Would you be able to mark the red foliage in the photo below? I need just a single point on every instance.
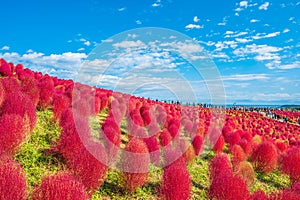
(60, 103)
(46, 86)
(246, 172)
(238, 155)
(219, 146)
(259, 195)
(197, 144)
(70, 141)
(12, 180)
(220, 163)
(111, 137)
(19, 103)
(2, 93)
(10, 84)
(247, 146)
(13, 131)
(135, 162)
(90, 168)
(264, 158)
(30, 87)
(284, 195)
(228, 186)
(176, 183)
(62, 186)
(5, 68)
(290, 164)
(153, 148)
(233, 138)
(165, 137)
(66, 117)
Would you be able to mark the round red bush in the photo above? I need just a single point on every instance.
(19, 103)
(197, 144)
(62, 186)
(12, 180)
(228, 186)
(290, 164)
(220, 163)
(91, 169)
(176, 183)
(135, 162)
(264, 158)
(46, 86)
(13, 131)
(219, 146)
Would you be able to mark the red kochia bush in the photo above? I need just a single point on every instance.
(290, 164)
(264, 158)
(135, 164)
(197, 144)
(165, 137)
(259, 195)
(228, 186)
(13, 131)
(91, 169)
(5, 68)
(70, 141)
(20, 103)
(153, 148)
(60, 103)
(62, 186)
(12, 180)
(29, 87)
(10, 84)
(2, 93)
(176, 183)
(238, 155)
(219, 146)
(220, 163)
(46, 86)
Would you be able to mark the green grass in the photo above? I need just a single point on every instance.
(37, 163)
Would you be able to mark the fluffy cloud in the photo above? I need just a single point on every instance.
(193, 26)
(196, 19)
(264, 6)
(254, 20)
(5, 48)
(264, 35)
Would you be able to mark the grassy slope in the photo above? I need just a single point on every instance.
(32, 156)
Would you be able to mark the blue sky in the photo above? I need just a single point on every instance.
(255, 45)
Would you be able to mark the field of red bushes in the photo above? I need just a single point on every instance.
(135, 135)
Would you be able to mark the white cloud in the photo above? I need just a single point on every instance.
(156, 4)
(264, 35)
(122, 9)
(138, 22)
(129, 44)
(196, 19)
(242, 40)
(254, 20)
(229, 32)
(222, 24)
(244, 4)
(64, 65)
(193, 26)
(81, 49)
(5, 48)
(264, 6)
(295, 65)
(286, 30)
(87, 43)
(245, 77)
